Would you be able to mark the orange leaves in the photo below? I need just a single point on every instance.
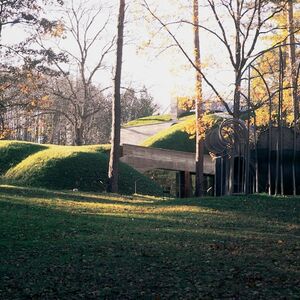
(57, 30)
(36, 102)
(4, 86)
(45, 100)
(206, 122)
(186, 103)
(33, 103)
(262, 116)
(190, 128)
(4, 133)
(24, 88)
(30, 88)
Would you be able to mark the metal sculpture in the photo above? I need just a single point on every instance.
(222, 140)
(229, 145)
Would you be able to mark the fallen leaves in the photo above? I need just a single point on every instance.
(210, 249)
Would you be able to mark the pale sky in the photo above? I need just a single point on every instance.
(168, 74)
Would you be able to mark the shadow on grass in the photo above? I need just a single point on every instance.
(279, 209)
(51, 253)
(283, 209)
(74, 195)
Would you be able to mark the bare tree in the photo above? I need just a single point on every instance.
(89, 37)
(20, 57)
(113, 171)
(136, 104)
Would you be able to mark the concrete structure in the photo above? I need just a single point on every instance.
(145, 158)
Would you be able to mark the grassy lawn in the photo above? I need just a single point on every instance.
(150, 120)
(68, 245)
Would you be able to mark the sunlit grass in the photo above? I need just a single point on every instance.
(150, 120)
(98, 245)
(173, 138)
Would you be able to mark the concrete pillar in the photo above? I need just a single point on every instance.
(187, 184)
(184, 184)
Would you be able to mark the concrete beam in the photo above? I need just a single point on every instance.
(146, 158)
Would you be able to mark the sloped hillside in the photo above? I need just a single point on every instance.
(13, 152)
(67, 167)
(150, 120)
(174, 138)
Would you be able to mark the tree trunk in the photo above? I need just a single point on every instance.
(78, 141)
(293, 82)
(292, 57)
(55, 126)
(247, 151)
(281, 86)
(237, 92)
(270, 147)
(256, 156)
(199, 105)
(37, 129)
(238, 63)
(279, 166)
(113, 170)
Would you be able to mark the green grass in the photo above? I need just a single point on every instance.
(149, 120)
(66, 245)
(176, 137)
(67, 167)
(13, 152)
(173, 138)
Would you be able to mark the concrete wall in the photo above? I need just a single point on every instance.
(144, 159)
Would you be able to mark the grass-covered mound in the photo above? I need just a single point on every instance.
(177, 137)
(150, 120)
(84, 168)
(173, 138)
(13, 152)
